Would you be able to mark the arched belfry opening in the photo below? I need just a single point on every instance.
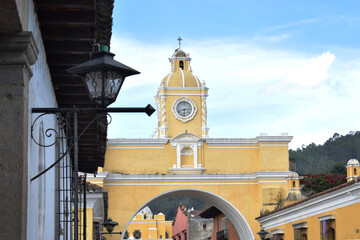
(237, 219)
(181, 65)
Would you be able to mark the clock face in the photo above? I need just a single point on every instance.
(184, 109)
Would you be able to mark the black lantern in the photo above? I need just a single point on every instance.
(103, 76)
(262, 234)
(109, 225)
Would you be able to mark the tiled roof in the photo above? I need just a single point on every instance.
(90, 188)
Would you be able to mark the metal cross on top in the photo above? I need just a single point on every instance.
(179, 39)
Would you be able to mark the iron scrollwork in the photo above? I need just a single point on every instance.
(49, 132)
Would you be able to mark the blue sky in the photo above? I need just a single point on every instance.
(271, 66)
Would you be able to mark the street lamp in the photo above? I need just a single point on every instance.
(103, 77)
(109, 225)
(262, 234)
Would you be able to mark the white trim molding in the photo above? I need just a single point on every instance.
(277, 231)
(300, 225)
(327, 217)
(243, 177)
(251, 141)
(136, 141)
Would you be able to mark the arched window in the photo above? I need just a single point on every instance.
(354, 171)
(187, 157)
(293, 184)
(181, 65)
(304, 236)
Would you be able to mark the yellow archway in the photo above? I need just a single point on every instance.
(241, 225)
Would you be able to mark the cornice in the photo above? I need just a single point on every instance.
(19, 48)
(137, 141)
(196, 177)
(249, 141)
(96, 177)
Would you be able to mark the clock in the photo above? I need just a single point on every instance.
(184, 109)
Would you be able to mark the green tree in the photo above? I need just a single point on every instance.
(338, 168)
(321, 158)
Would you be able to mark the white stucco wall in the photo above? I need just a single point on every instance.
(41, 192)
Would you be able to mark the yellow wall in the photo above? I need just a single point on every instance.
(347, 224)
(89, 223)
(146, 159)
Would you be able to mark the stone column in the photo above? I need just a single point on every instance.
(17, 53)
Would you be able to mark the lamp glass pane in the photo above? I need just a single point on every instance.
(93, 82)
(113, 82)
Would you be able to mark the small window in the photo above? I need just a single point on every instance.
(160, 236)
(327, 227)
(293, 184)
(181, 65)
(137, 234)
(145, 217)
(204, 226)
(166, 235)
(126, 235)
(355, 171)
(300, 231)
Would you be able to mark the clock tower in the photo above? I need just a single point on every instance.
(181, 100)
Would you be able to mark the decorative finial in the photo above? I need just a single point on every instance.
(179, 39)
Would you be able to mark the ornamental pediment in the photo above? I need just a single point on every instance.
(185, 138)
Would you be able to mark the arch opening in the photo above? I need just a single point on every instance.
(237, 219)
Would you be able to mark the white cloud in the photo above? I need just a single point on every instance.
(252, 89)
(312, 72)
(295, 24)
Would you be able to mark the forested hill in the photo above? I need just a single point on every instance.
(321, 158)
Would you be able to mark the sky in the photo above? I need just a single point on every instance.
(271, 66)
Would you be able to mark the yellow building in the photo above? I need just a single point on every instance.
(240, 176)
(332, 214)
(145, 225)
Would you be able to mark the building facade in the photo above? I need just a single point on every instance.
(189, 225)
(240, 176)
(146, 225)
(329, 215)
(223, 229)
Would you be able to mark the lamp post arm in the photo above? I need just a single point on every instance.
(111, 233)
(149, 110)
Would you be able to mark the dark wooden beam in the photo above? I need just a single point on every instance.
(79, 4)
(66, 17)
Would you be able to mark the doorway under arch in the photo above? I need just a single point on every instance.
(237, 219)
